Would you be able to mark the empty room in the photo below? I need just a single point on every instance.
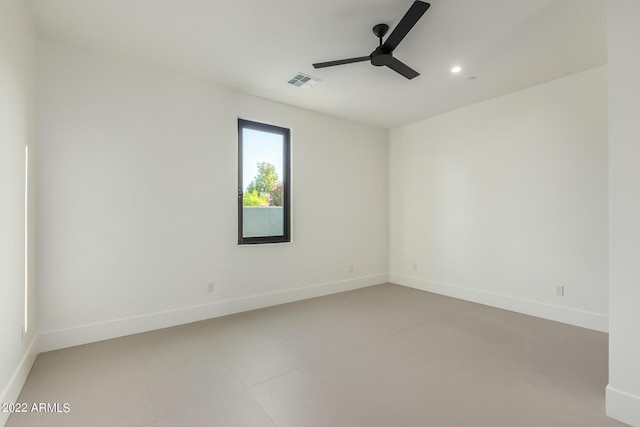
(344, 213)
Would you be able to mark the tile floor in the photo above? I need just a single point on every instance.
(380, 356)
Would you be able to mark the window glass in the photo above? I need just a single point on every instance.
(263, 190)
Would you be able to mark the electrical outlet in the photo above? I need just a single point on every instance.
(560, 291)
(351, 268)
(415, 267)
(211, 287)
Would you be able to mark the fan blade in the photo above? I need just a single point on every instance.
(340, 62)
(401, 68)
(415, 12)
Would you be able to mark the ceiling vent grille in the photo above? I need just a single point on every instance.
(303, 81)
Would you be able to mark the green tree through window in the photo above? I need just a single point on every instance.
(266, 180)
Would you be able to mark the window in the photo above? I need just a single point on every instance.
(264, 202)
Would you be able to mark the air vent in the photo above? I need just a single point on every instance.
(303, 81)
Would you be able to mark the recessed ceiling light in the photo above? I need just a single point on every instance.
(456, 69)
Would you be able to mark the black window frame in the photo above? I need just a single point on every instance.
(286, 182)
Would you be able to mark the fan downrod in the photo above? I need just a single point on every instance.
(380, 57)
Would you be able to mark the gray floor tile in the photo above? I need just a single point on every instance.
(378, 356)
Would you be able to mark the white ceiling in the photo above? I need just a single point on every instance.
(256, 46)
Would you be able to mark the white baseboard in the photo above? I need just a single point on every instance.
(585, 319)
(12, 390)
(623, 406)
(62, 338)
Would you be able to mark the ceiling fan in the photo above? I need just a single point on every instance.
(383, 54)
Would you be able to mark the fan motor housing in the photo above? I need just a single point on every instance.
(380, 58)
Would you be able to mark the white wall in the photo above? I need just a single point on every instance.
(17, 77)
(502, 201)
(137, 201)
(623, 392)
